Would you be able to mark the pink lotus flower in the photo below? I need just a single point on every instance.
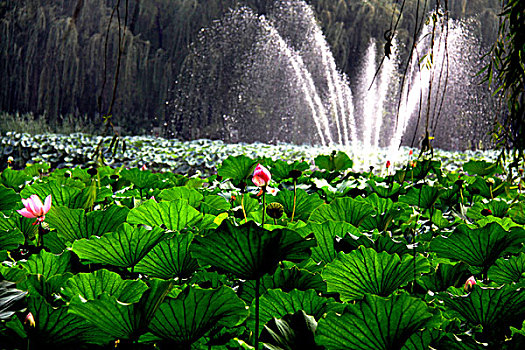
(35, 209)
(261, 176)
(469, 285)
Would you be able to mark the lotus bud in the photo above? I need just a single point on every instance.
(30, 320)
(388, 164)
(275, 210)
(143, 167)
(261, 176)
(469, 285)
(490, 181)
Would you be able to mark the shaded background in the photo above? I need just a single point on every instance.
(55, 60)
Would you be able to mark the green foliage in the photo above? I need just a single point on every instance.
(360, 326)
(354, 269)
(249, 251)
(195, 311)
(367, 272)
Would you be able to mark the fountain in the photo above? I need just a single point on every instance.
(273, 79)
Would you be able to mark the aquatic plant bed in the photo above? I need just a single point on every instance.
(190, 157)
(311, 259)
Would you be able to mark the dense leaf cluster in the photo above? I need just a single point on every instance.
(130, 258)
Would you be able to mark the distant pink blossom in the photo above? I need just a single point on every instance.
(33, 208)
(469, 285)
(261, 176)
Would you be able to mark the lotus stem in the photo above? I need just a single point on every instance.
(264, 205)
(294, 197)
(242, 207)
(257, 295)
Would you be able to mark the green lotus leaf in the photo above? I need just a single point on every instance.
(9, 199)
(45, 287)
(62, 195)
(47, 264)
(383, 190)
(514, 330)
(305, 203)
(214, 205)
(365, 271)
(74, 224)
(481, 186)
(293, 331)
(445, 275)
(386, 212)
(14, 178)
(492, 308)
(276, 303)
(238, 168)
(345, 209)
(482, 168)
(174, 215)
(11, 239)
(56, 326)
(463, 342)
(205, 279)
(478, 247)
(196, 311)
(108, 314)
(53, 243)
(281, 170)
(249, 251)
(424, 197)
(441, 222)
(249, 203)
(14, 228)
(373, 323)
(498, 208)
(139, 178)
(507, 271)
(121, 320)
(335, 162)
(90, 286)
(286, 280)
(517, 213)
(125, 247)
(325, 234)
(192, 196)
(380, 244)
(169, 259)
(421, 340)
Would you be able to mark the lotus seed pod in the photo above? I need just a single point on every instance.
(275, 210)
